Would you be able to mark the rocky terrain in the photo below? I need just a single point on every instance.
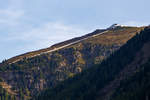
(32, 72)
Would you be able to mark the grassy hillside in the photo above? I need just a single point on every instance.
(123, 34)
(102, 81)
(28, 76)
(34, 53)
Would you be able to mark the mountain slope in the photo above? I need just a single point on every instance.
(136, 87)
(142, 57)
(125, 30)
(4, 94)
(35, 71)
(102, 82)
(53, 47)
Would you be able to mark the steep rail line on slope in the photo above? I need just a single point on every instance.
(55, 49)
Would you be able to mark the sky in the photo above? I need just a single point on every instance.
(27, 25)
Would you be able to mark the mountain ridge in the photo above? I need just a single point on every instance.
(132, 59)
(47, 70)
(54, 47)
(57, 45)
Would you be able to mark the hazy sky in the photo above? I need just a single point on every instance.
(27, 25)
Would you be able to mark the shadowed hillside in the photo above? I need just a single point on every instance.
(122, 76)
(32, 72)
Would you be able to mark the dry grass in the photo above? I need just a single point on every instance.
(118, 36)
(7, 88)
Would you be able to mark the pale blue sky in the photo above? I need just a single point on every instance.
(27, 25)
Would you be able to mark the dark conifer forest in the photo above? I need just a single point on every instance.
(89, 84)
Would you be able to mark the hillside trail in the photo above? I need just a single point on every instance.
(64, 46)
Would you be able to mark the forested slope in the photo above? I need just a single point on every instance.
(136, 87)
(28, 74)
(109, 79)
